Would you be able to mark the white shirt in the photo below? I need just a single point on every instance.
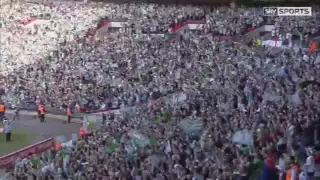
(305, 57)
(310, 164)
(288, 36)
(45, 169)
(294, 174)
(302, 176)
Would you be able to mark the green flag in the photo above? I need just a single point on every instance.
(131, 148)
(163, 117)
(35, 161)
(130, 156)
(156, 121)
(62, 154)
(47, 155)
(166, 116)
(112, 145)
(254, 169)
(153, 140)
(245, 149)
(91, 125)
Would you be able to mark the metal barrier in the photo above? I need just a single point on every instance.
(8, 160)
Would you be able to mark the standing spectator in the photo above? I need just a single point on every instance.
(294, 171)
(7, 129)
(42, 114)
(104, 118)
(310, 165)
(16, 114)
(2, 111)
(69, 114)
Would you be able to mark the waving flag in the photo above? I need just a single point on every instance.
(192, 127)
(112, 146)
(139, 139)
(85, 124)
(153, 140)
(272, 43)
(36, 161)
(131, 150)
(243, 137)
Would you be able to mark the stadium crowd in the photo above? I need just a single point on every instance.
(64, 31)
(214, 109)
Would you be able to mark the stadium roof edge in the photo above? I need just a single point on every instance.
(250, 3)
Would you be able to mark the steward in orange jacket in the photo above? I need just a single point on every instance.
(2, 111)
(69, 114)
(41, 112)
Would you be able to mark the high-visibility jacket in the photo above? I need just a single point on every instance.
(40, 106)
(288, 173)
(78, 108)
(41, 110)
(81, 131)
(69, 113)
(2, 108)
(58, 146)
(312, 46)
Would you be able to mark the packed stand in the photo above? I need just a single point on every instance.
(23, 42)
(64, 31)
(153, 141)
(244, 93)
(294, 30)
(206, 95)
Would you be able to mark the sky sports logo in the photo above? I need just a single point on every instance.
(287, 11)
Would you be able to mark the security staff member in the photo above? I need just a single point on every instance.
(293, 172)
(78, 108)
(7, 130)
(41, 113)
(2, 111)
(82, 132)
(39, 107)
(69, 114)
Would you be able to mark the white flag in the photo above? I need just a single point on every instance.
(85, 123)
